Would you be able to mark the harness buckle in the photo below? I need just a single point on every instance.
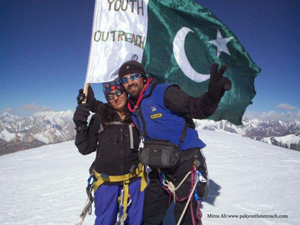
(104, 176)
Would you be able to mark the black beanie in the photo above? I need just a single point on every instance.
(130, 67)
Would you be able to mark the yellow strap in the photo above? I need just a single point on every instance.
(143, 176)
(139, 172)
(97, 184)
(125, 200)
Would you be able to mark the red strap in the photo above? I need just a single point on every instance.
(140, 97)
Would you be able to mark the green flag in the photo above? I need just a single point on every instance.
(184, 40)
(177, 41)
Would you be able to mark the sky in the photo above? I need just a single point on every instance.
(44, 50)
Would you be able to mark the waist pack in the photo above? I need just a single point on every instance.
(159, 154)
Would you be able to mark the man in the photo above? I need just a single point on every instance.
(160, 111)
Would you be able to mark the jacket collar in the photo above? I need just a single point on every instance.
(147, 93)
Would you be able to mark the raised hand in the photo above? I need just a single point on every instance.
(218, 84)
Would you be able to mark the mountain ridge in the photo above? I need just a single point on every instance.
(276, 132)
(19, 133)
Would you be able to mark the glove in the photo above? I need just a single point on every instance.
(90, 98)
(218, 84)
(80, 116)
(81, 97)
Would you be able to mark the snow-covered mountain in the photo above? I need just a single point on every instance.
(250, 182)
(19, 133)
(283, 134)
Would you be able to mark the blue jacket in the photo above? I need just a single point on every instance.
(161, 123)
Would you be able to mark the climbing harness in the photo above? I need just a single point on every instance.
(170, 188)
(97, 179)
(125, 179)
(88, 205)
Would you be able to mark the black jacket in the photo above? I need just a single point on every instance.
(191, 107)
(112, 142)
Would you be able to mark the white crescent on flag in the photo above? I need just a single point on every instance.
(181, 58)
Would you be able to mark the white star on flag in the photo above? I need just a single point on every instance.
(221, 43)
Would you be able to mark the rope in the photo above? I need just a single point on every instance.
(196, 177)
(88, 205)
(85, 210)
(187, 203)
(122, 219)
(171, 188)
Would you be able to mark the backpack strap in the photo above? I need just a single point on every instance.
(183, 133)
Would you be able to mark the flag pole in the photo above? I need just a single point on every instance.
(86, 85)
(85, 91)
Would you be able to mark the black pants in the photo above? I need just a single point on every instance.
(156, 200)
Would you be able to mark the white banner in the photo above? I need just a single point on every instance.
(119, 33)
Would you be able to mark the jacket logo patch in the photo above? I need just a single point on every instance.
(155, 116)
(153, 109)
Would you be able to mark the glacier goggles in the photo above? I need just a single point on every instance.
(110, 95)
(132, 77)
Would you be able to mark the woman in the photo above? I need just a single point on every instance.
(116, 168)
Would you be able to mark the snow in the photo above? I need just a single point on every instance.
(288, 139)
(51, 115)
(41, 138)
(291, 138)
(249, 177)
(7, 136)
(46, 185)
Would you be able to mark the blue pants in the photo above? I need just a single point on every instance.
(107, 206)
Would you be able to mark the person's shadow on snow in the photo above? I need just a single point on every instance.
(213, 192)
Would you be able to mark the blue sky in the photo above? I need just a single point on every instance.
(44, 49)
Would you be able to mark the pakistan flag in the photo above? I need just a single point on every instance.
(177, 41)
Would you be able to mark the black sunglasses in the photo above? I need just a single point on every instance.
(110, 95)
(133, 76)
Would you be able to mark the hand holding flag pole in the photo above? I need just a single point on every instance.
(82, 94)
(86, 95)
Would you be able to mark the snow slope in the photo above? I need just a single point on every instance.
(46, 185)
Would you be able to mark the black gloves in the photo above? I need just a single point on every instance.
(80, 116)
(83, 110)
(218, 84)
(90, 98)
(81, 96)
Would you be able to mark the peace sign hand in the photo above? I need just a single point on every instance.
(218, 84)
